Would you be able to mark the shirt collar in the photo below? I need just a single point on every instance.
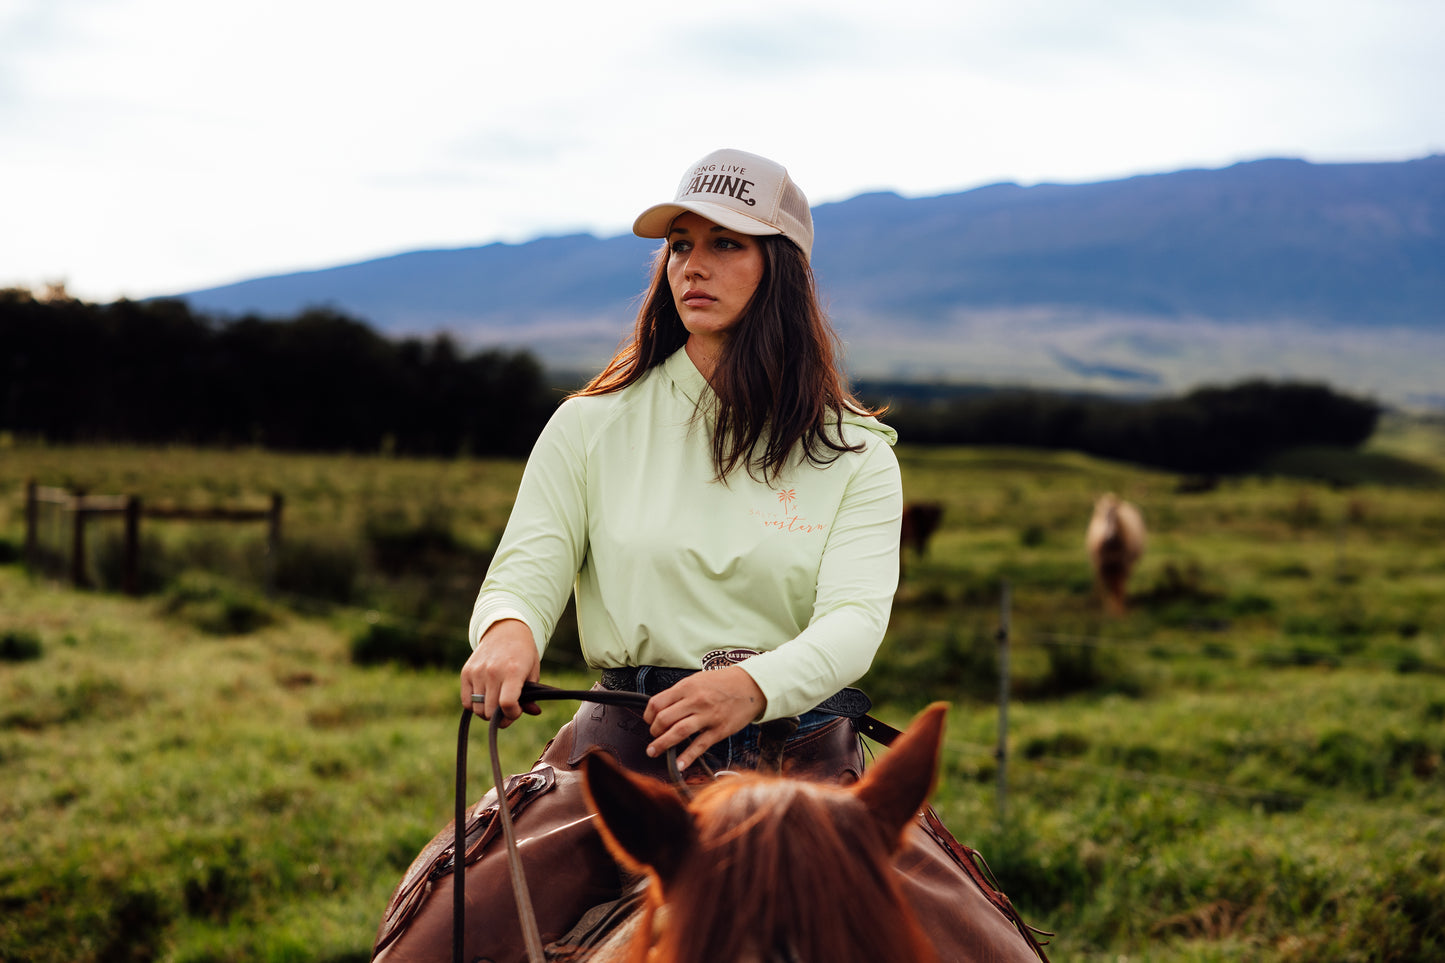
(684, 374)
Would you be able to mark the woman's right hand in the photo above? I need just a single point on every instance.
(505, 658)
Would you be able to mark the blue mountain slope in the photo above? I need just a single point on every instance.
(1336, 245)
(577, 275)
(1354, 245)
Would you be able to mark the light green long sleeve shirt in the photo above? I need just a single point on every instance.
(619, 503)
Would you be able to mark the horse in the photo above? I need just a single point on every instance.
(627, 866)
(764, 868)
(1115, 539)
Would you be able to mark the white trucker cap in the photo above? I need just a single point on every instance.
(743, 192)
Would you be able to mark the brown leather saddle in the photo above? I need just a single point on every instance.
(578, 894)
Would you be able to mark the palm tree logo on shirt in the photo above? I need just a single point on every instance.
(789, 521)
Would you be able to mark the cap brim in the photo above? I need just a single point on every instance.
(656, 220)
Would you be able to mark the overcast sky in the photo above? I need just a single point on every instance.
(157, 146)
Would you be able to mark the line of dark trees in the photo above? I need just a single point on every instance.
(157, 372)
(1214, 430)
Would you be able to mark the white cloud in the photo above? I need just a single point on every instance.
(149, 146)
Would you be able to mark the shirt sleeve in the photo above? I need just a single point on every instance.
(857, 579)
(545, 541)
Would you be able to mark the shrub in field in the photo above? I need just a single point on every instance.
(88, 696)
(1072, 668)
(212, 548)
(1298, 655)
(9, 552)
(223, 888)
(1407, 663)
(1182, 597)
(401, 546)
(325, 569)
(1217, 650)
(1075, 668)
(20, 646)
(1375, 767)
(1304, 512)
(1343, 758)
(410, 645)
(1058, 745)
(216, 607)
(135, 927)
(1346, 624)
(952, 662)
(1178, 583)
(442, 642)
(1249, 603)
(1292, 569)
(1040, 876)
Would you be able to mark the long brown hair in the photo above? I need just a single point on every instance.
(777, 381)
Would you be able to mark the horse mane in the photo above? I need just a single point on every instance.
(790, 870)
(764, 868)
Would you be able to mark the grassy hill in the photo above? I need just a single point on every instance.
(1246, 766)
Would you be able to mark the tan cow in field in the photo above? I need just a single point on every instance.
(1115, 539)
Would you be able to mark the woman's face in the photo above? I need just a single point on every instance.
(713, 273)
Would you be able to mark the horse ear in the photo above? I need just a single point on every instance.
(643, 821)
(896, 788)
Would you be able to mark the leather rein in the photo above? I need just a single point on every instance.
(775, 737)
(531, 692)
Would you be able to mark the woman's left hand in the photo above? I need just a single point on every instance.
(709, 706)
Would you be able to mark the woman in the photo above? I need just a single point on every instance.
(715, 494)
(728, 518)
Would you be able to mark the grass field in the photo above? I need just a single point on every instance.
(1246, 766)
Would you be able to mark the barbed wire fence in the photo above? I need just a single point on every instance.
(1008, 763)
(1264, 799)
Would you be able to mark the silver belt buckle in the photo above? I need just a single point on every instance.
(724, 658)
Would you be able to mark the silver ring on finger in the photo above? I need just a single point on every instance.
(479, 697)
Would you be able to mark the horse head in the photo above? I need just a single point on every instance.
(768, 868)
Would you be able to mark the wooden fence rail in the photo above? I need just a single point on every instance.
(83, 506)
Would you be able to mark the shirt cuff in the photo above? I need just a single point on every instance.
(487, 615)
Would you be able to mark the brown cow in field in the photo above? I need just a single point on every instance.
(920, 521)
(1115, 539)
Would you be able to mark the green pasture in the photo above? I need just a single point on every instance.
(1249, 765)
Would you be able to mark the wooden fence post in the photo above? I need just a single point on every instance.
(273, 541)
(32, 524)
(1001, 753)
(130, 564)
(77, 539)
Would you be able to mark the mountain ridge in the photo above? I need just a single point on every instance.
(1271, 266)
